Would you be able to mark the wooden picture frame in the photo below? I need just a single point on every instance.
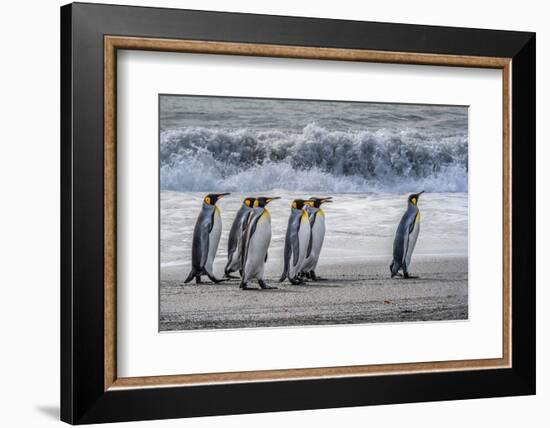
(91, 390)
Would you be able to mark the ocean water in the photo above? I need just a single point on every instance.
(255, 145)
(368, 157)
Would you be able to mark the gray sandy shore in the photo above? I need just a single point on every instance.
(352, 293)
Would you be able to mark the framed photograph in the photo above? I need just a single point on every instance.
(266, 213)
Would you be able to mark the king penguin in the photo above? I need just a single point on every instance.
(405, 237)
(206, 237)
(317, 236)
(296, 241)
(256, 242)
(235, 236)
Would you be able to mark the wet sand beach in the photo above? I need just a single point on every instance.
(353, 292)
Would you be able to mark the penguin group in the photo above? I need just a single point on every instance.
(250, 237)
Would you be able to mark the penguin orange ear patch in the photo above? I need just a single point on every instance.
(207, 200)
(294, 204)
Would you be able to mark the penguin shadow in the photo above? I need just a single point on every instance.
(415, 279)
(222, 283)
(252, 286)
(324, 283)
(278, 289)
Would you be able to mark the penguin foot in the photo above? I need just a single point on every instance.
(314, 277)
(244, 286)
(215, 280)
(228, 276)
(264, 286)
(295, 281)
(407, 276)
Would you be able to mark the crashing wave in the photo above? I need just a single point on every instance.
(203, 159)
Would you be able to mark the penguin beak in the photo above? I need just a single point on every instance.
(326, 200)
(418, 194)
(221, 195)
(268, 200)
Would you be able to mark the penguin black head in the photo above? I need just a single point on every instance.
(262, 201)
(413, 199)
(249, 202)
(212, 198)
(298, 204)
(315, 202)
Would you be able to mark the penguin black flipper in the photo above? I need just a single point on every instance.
(288, 252)
(244, 244)
(244, 236)
(231, 247)
(249, 226)
(211, 223)
(250, 232)
(238, 229)
(399, 245)
(266, 253)
(199, 249)
(312, 219)
(295, 241)
(310, 245)
(204, 245)
(406, 240)
(410, 229)
(414, 229)
(411, 226)
(253, 225)
(246, 219)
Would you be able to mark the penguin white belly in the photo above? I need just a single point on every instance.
(413, 236)
(303, 238)
(257, 248)
(317, 238)
(214, 240)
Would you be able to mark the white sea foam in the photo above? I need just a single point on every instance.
(359, 226)
(315, 159)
